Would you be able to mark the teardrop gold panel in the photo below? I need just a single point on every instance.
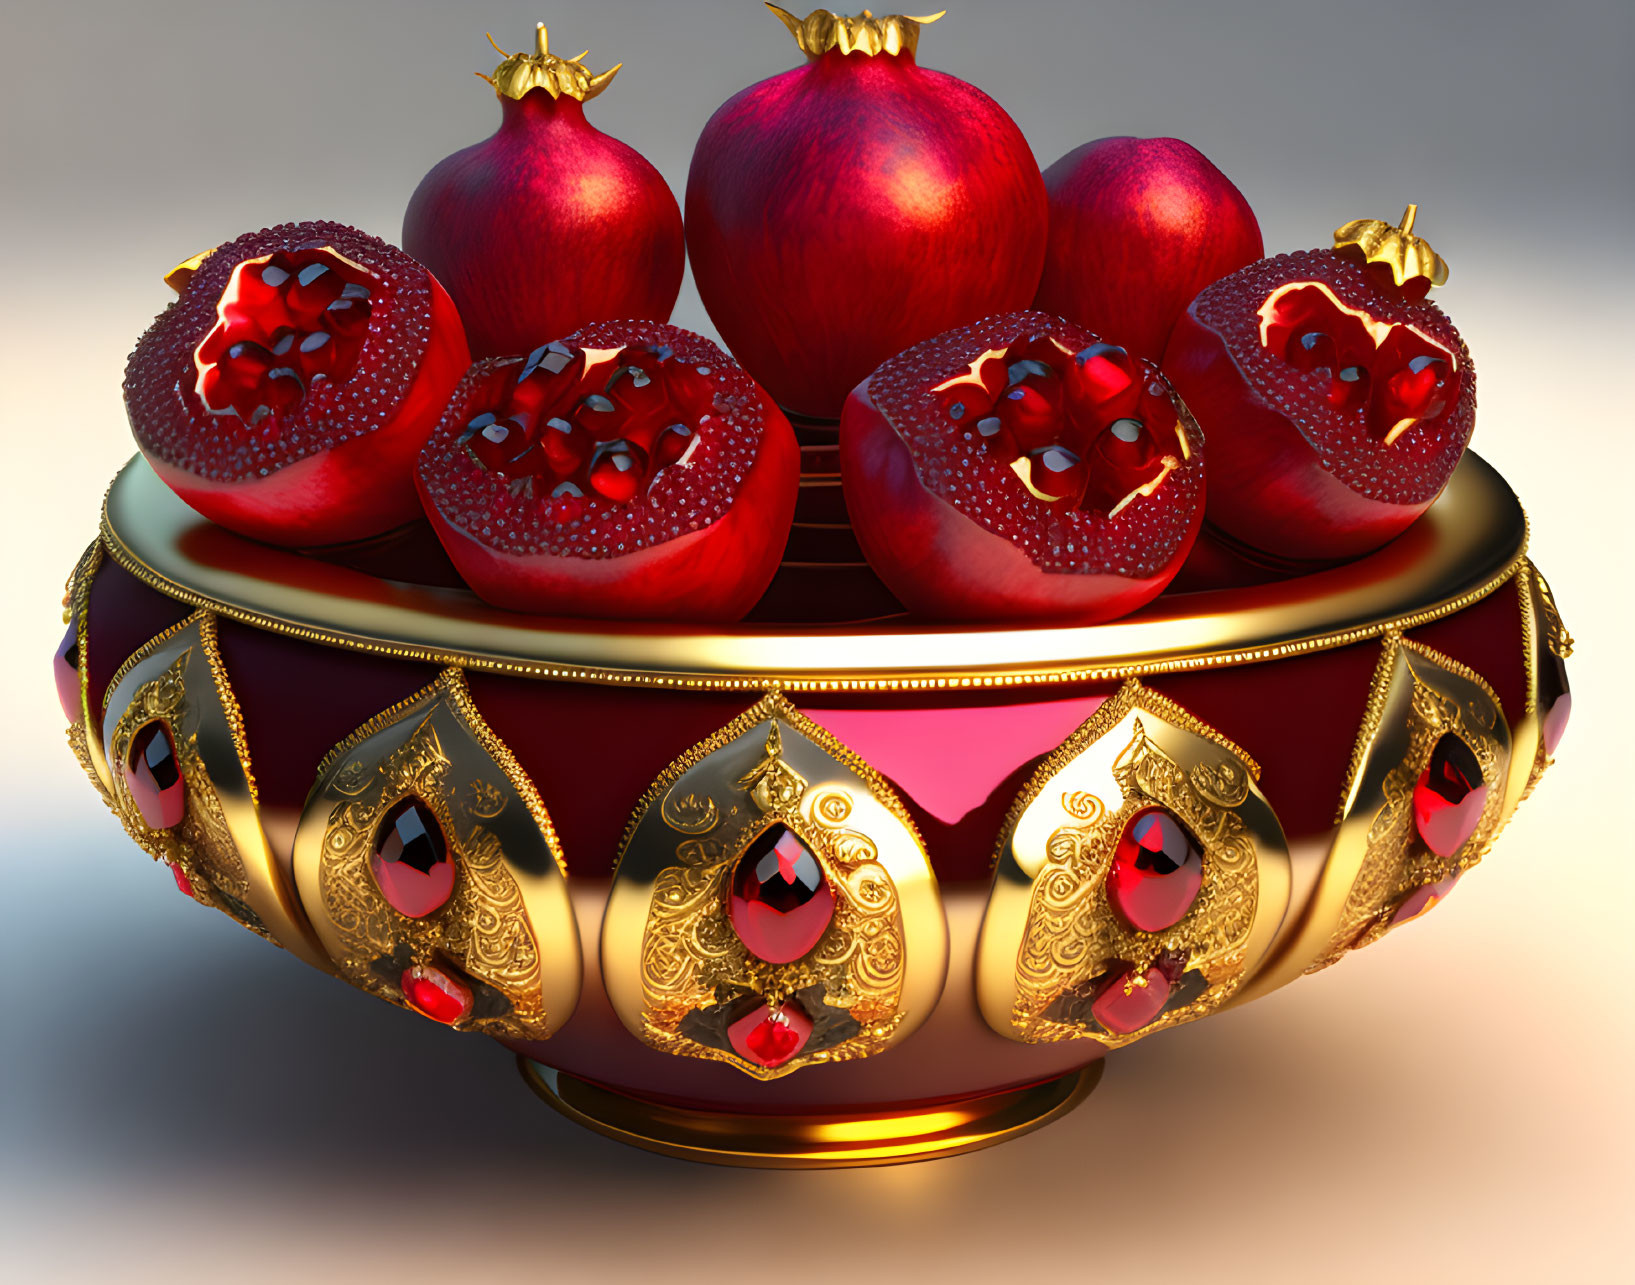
(677, 973)
(178, 679)
(1378, 860)
(1546, 645)
(506, 931)
(88, 750)
(1053, 948)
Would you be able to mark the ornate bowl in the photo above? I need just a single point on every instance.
(807, 895)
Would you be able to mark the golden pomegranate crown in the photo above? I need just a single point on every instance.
(542, 69)
(820, 31)
(1408, 256)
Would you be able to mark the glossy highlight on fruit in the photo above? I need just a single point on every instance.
(1337, 405)
(631, 470)
(847, 209)
(287, 391)
(1023, 469)
(549, 224)
(1137, 227)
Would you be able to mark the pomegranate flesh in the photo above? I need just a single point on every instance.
(1021, 468)
(1137, 227)
(549, 224)
(632, 469)
(287, 391)
(1337, 404)
(842, 211)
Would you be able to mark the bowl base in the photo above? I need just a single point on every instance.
(827, 1140)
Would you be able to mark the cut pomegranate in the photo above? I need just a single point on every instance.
(1137, 227)
(1337, 403)
(843, 210)
(632, 469)
(1022, 468)
(287, 391)
(549, 224)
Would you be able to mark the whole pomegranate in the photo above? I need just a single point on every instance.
(632, 469)
(1137, 227)
(549, 224)
(287, 391)
(845, 210)
(1337, 399)
(1022, 469)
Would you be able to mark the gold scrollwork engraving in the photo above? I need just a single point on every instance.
(86, 747)
(1051, 938)
(1419, 696)
(507, 927)
(865, 983)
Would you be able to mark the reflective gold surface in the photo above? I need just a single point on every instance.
(542, 69)
(1394, 245)
(829, 1140)
(1467, 544)
(668, 949)
(1049, 929)
(820, 31)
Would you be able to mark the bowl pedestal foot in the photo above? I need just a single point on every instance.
(826, 1140)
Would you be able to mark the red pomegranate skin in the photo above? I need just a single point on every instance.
(716, 573)
(942, 563)
(546, 226)
(844, 210)
(1137, 227)
(360, 487)
(1285, 479)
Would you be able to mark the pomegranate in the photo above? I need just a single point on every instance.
(632, 469)
(1021, 468)
(1137, 227)
(1337, 400)
(288, 389)
(841, 211)
(549, 224)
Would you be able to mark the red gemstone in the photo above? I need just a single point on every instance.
(1450, 797)
(781, 903)
(1158, 868)
(411, 861)
(184, 885)
(435, 993)
(1127, 1003)
(1421, 899)
(769, 1038)
(66, 670)
(155, 777)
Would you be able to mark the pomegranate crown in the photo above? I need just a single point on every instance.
(542, 69)
(1410, 258)
(820, 31)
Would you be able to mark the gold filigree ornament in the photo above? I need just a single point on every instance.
(1052, 943)
(178, 680)
(1546, 644)
(677, 973)
(87, 749)
(1410, 259)
(1379, 871)
(502, 936)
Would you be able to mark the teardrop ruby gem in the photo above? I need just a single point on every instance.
(66, 670)
(769, 1038)
(781, 902)
(1421, 899)
(411, 862)
(1450, 796)
(1558, 710)
(1157, 870)
(1127, 1002)
(155, 777)
(436, 994)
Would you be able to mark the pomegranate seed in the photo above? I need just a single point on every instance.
(1032, 417)
(616, 470)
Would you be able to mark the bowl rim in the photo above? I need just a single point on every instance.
(1466, 545)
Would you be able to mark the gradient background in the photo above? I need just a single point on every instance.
(180, 1102)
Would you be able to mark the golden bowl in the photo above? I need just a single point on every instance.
(1030, 845)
